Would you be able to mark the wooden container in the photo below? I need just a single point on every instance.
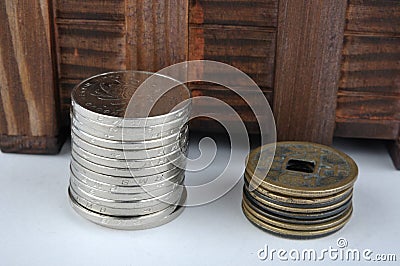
(328, 68)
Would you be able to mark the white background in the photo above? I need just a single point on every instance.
(38, 227)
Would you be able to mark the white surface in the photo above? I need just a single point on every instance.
(38, 227)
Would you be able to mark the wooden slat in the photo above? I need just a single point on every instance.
(156, 33)
(29, 122)
(377, 16)
(90, 47)
(394, 150)
(251, 50)
(91, 9)
(366, 128)
(66, 86)
(230, 98)
(310, 38)
(366, 106)
(371, 64)
(261, 13)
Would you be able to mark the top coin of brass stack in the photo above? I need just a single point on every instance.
(307, 192)
(128, 154)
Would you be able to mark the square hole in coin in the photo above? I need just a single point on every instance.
(300, 166)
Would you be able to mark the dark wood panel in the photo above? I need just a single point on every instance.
(66, 86)
(251, 50)
(27, 77)
(31, 144)
(378, 16)
(366, 128)
(157, 33)
(310, 38)
(230, 98)
(91, 9)
(366, 106)
(371, 64)
(394, 150)
(234, 12)
(89, 47)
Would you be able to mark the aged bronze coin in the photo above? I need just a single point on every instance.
(299, 209)
(287, 219)
(292, 201)
(299, 215)
(300, 227)
(302, 169)
(304, 190)
(292, 233)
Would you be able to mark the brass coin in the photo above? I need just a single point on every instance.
(289, 220)
(296, 201)
(289, 232)
(299, 227)
(301, 209)
(300, 216)
(302, 169)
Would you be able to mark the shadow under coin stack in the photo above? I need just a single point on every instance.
(307, 192)
(127, 167)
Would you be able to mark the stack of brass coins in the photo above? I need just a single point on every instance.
(307, 192)
(127, 166)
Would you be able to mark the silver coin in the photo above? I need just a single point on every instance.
(128, 189)
(116, 211)
(126, 132)
(132, 122)
(120, 145)
(128, 154)
(108, 95)
(131, 223)
(138, 135)
(132, 163)
(142, 195)
(126, 172)
(129, 182)
(163, 126)
(169, 198)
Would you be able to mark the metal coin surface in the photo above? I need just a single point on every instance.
(295, 215)
(129, 181)
(129, 154)
(108, 95)
(142, 195)
(116, 211)
(299, 209)
(138, 145)
(129, 189)
(126, 172)
(300, 227)
(287, 200)
(114, 133)
(284, 219)
(128, 163)
(289, 232)
(163, 126)
(134, 222)
(169, 198)
(302, 169)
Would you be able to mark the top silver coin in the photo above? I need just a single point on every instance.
(140, 98)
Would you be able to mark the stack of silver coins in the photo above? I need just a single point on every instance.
(129, 150)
